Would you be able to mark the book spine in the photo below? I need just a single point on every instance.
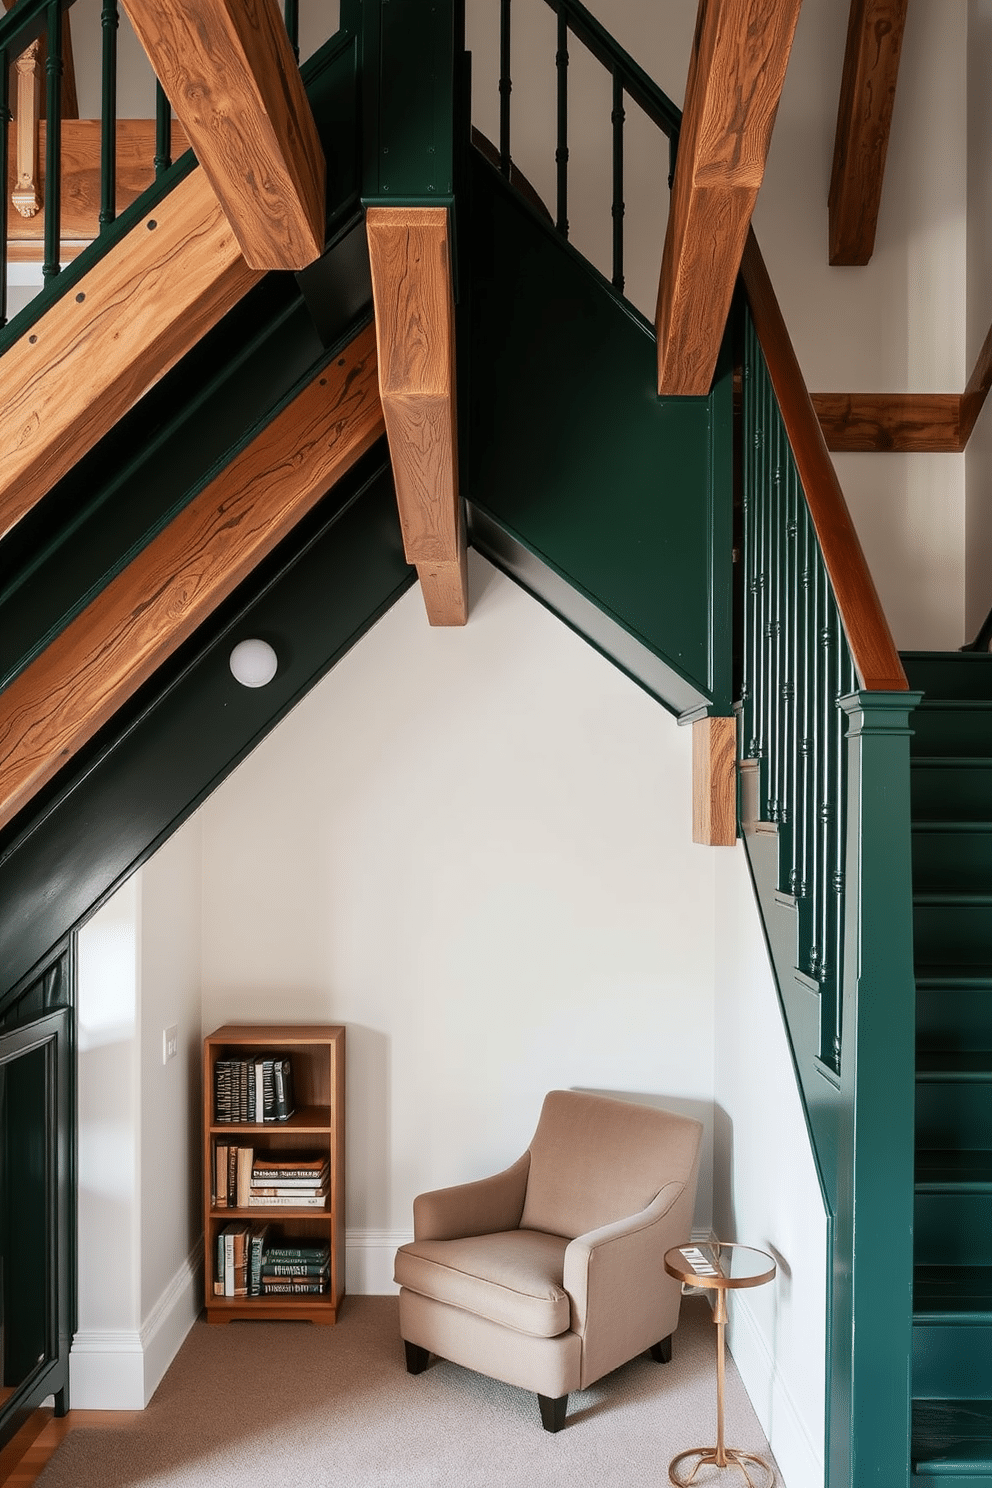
(298, 1285)
(276, 1253)
(295, 1268)
(228, 1265)
(301, 1201)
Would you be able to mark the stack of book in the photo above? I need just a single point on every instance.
(282, 1181)
(259, 1089)
(245, 1179)
(294, 1268)
(251, 1264)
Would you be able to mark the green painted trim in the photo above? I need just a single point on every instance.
(408, 69)
(873, 1257)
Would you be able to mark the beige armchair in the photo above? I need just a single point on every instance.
(551, 1274)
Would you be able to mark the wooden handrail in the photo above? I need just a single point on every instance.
(873, 650)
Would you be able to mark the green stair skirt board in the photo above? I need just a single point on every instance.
(579, 477)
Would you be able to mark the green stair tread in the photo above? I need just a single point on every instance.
(952, 1294)
(954, 1064)
(951, 825)
(933, 977)
(965, 897)
(952, 1436)
(945, 1170)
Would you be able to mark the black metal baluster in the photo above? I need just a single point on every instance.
(5, 117)
(109, 20)
(53, 144)
(292, 14)
(505, 88)
(617, 118)
(561, 153)
(163, 131)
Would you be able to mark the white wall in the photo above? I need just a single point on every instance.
(471, 847)
(766, 1190)
(140, 1227)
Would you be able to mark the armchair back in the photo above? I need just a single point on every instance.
(594, 1160)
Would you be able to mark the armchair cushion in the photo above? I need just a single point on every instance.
(513, 1278)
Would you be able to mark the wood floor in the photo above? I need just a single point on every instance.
(27, 1453)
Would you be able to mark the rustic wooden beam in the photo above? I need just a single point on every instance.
(873, 651)
(864, 115)
(410, 254)
(90, 357)
(736, 72)
(229, 72)
(80, 179)
(714, 781)
(103, 656)
(922, 423)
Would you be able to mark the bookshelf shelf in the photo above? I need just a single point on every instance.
(312, 1136)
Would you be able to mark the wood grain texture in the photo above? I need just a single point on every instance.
(714, 781)
(103, 656)
(864, 115)
(410, 255)
(927, 423)
(736, 72)
(92, 355)
(80, 183)
(229, 72)
(873, 650)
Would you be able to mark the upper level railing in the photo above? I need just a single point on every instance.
(37, 43)
(629, 82)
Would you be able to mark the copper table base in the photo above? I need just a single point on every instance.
(732, 1457)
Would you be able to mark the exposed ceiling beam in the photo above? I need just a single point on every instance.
(230, 74)
(91, 356)
(410, 254)
(736, 72)
(920, 423)
(864, 115)
(103, 656)
(930, 423)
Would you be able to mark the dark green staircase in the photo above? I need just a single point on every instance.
(951, 777)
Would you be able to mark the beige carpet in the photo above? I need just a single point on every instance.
(289, 1405)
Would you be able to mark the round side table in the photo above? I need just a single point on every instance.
(720, 1267)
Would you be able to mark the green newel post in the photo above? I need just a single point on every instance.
(872, 1284)
(411, 53)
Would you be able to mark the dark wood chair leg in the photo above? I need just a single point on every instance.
(553, 1411)
(417, 1358)
(661, 1352)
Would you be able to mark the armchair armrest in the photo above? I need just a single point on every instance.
(622, 1299)
(480, 1208)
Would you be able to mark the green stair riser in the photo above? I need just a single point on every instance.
(953, 1018)
(949, 674)
(947, 728)
(953, 857)
(951, 790)
(952, 1362)
(952, 1443)
(953, 1115)
(952, 1229)
(951, 933)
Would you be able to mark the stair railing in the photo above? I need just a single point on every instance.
(814, 631)
(628, 81)
(39, 28)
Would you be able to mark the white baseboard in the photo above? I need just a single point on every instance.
(369, 1256)
(121, 1369)
(799, 1457)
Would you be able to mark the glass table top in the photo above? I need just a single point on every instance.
(720, 1264)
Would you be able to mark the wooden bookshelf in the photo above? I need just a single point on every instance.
(316, 1053)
